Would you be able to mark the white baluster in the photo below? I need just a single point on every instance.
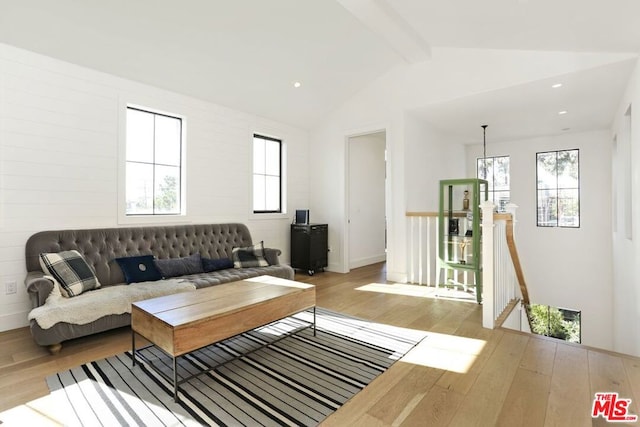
(487, 264)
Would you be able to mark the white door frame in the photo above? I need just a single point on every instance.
(347, 229)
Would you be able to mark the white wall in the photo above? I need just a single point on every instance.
(449, 74)
(432, 156)
(626, 252)
(565, 267)
(59, 139)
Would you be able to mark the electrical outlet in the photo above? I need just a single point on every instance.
(11, 287)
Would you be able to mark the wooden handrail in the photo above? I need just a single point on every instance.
(435, 214)
(429, 214)
(513, 251)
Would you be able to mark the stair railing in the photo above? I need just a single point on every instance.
(504, 284)
(502, 274)
(423, 247)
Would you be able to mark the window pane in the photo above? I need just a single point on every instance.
(167, 191)
(482, 170)
(558, 189)
(501, 173)
(568, 208)
(489, 172)
(546, 170)
(568, 169)
(267, 171)
(139, 136)
(258, 155)
(259, 193)
(167, 140)
(272, 193)
(547, 208)
(139, 189)
(272, 154)
(501, 200)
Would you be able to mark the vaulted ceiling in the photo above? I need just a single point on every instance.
(247, 54)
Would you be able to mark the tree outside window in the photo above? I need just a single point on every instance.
(558, 189)
(153, 163)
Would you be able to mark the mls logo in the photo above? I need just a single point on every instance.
(612, 408)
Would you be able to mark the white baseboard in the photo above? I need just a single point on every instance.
(336, 268)
(13, 321)
(397, 276)
(367, 261)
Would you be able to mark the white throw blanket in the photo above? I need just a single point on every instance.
(92, 305)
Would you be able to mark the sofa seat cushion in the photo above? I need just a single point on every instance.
(108, 300)
(209, 265)
(232, 274)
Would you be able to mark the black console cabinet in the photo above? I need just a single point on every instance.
(309, 247)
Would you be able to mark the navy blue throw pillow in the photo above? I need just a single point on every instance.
(210, 265)
(139, 268)
(174, 267)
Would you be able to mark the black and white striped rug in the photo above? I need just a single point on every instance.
(299, 380)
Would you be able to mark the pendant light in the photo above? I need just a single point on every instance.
(484, 145)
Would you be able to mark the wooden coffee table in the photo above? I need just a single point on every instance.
(181, 323)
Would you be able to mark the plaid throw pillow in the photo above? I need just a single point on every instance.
(71, 271)
(250, 256)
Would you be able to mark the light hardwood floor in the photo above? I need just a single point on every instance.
(460, 375)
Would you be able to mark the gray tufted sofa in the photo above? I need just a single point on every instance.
(100, 247)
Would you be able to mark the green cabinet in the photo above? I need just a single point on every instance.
(459, 232)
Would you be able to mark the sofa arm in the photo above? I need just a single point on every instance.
(271, 255)
(38, 287)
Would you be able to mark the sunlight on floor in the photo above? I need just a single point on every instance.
(51, 410)
(421, 291)
(446, 352)
(39, 412)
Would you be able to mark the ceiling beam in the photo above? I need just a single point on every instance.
(383, 20)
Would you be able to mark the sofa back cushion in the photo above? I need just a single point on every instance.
(100, 247)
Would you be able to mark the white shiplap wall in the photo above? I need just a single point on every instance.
(60, 134)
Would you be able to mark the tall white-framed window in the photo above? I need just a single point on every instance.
(558, 188)
(495, 170)
(267, 175)
(153, 163)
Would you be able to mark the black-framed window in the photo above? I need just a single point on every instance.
(495, 170)
(558, 188)
(556, 322)
(267, 174)
(153, 163)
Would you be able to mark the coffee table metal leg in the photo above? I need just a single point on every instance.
(314, 320)
(133, 347)
(175, 380)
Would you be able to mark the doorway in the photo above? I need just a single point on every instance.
(367, 199)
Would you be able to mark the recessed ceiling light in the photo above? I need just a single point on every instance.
(297, 84)
(557, 85)
(560, 113)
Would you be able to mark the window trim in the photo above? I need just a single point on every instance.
(557, 188)
(281, 175)
(134, 219)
